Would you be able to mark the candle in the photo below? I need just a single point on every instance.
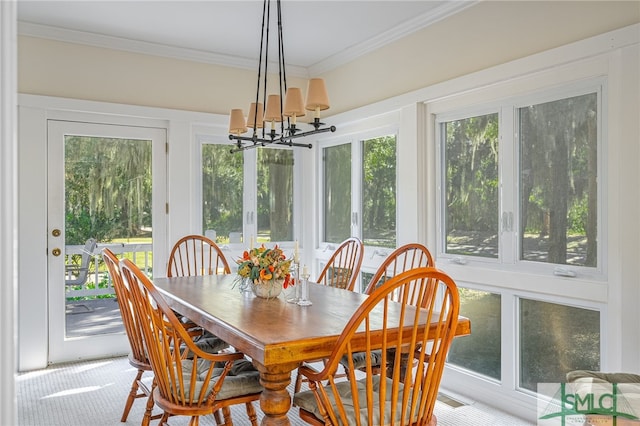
(305, 271)
(296, 253)
(251, 246)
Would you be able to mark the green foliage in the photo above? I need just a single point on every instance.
(337, 192)
(557, 165)
(107, 188)
(98, 226)
(379, 191)
(275, 193)
(472, 174)
(578, 216)
(222, 189)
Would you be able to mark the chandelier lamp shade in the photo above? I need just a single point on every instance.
(277, 124)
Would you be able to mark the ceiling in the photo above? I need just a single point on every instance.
(318, 35)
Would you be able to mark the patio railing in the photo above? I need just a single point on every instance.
(98, 280)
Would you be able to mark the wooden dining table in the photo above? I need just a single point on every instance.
(276, 335)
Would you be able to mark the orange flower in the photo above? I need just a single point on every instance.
(288, 281)
(264, 275)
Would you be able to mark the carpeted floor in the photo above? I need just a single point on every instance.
(92, 393)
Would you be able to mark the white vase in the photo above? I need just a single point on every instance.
(268, 289)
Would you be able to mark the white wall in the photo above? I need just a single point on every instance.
(484, 35)
(8, 214)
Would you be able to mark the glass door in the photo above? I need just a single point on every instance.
(104, 190)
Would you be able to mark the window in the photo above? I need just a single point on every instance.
(379, 191)
(247, 195)
(337, 192)
(275, 195)
(374, 182)
(573, 344)
(558, 181)
(481, 350)
(222, 183)
(555, 147)
(519, 194)
(471, 181)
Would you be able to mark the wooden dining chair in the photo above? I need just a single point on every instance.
(195, 255)
(341, 271)
(402, 259)
(401, 393)
(137, 356)
(343, 266)
(189, 381)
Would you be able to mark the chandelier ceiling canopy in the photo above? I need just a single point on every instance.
(284, 107)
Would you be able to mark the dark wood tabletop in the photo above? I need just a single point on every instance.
(277, 336)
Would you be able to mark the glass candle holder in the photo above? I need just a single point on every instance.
(294, 295)
(304, 296)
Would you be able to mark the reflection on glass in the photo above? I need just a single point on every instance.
(275, 195)
(107, 189)
(480, 351)
(337, 193)
(558, 181)
(222, 183)
(379, 191)
(556, 339)
(472, 204)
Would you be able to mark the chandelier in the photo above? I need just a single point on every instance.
(276, 112)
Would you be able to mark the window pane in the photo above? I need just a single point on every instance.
(471, 166)
(107, 189)
(365, 279)
(558, 180)
(556, 339)
(337, 193)
(275, 195)
(222, 180)
(379, 191)
(108, 197)
(480, 351)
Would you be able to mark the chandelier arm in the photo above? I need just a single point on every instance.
(312, 132)
(264, 144)
(284, 140)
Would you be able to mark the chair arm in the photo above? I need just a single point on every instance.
(312, 374)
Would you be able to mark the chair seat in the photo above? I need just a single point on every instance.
(360, 359)
(306, 400)
(210, 343)
(242, 379)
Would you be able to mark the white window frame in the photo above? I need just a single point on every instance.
(232, 251)
(508, 171)
(373, 255)
(507, 276)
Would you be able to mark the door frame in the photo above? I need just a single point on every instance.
(33, 113)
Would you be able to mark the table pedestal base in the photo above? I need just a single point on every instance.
(275, 400)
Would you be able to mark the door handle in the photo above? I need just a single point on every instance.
(56, 252)
(56, 232)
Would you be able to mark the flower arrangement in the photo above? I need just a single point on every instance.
(264, 264)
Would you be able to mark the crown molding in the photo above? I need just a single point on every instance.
(411, 26)
(136, 46)
(142, 47)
